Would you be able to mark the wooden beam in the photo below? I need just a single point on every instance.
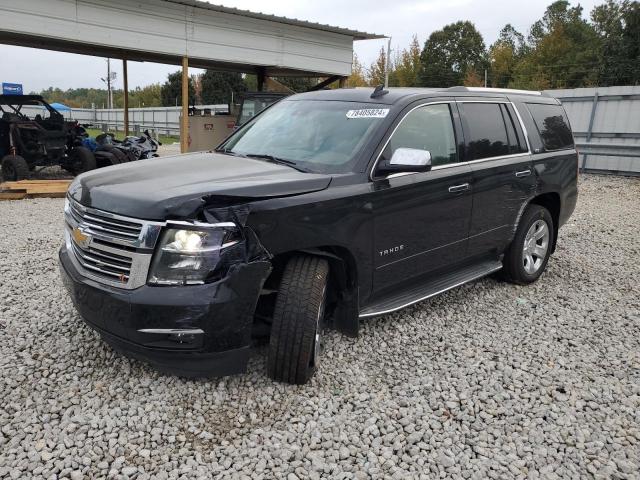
(326, 82)
(184, 123)
(126, 96)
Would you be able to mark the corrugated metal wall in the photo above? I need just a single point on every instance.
(606, 127)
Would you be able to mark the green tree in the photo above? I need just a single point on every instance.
(358, 76)
(147, 96)
(448, 55)
(407, 65)
(563, 51)
(171, 91)
(377, 69)
(504, 55)
(298, 84)
(220, 87)
(617, 24)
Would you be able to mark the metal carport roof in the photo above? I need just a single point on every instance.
(165, 31)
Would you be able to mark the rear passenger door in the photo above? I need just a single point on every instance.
(497, 151)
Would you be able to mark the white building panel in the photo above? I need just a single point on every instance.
(166, 30)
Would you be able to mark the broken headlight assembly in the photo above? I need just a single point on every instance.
(191, 255)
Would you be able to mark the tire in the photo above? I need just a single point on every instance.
(120, 156)
(527, 256)
(14, 168)
(298, 319)
(81, 160)
(105, 159)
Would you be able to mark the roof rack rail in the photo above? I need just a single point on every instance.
(493, 90)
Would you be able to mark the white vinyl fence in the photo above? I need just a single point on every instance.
(164, 120)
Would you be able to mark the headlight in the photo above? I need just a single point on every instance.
(189, 257)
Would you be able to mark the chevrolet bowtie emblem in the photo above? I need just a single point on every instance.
(82, 239)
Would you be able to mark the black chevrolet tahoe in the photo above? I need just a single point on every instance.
(325, 209)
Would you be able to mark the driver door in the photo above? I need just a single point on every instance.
(421, 220)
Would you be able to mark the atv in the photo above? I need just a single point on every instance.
(41, 141)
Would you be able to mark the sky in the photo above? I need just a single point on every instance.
(40, 69)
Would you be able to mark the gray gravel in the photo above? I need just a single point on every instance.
(487, 381)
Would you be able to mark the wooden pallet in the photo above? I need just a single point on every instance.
(33, 189)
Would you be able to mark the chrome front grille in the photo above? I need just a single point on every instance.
(110, 266)
(109, 248)
(99, 223)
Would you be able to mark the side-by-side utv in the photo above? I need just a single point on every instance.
(37, 136)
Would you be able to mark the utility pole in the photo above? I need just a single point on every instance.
(109, 79)
(386, 64)
(485, 78)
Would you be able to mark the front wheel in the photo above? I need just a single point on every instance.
(528, 254)
(298, 320)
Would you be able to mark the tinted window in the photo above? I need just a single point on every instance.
(517, 143)
(553, 126)
(485, 132)
(426, 128)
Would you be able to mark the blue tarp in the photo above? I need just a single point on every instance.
(61, 107)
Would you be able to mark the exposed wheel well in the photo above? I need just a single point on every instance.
(550, 201)
(343, 282)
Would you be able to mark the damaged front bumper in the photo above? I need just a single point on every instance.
(192, 331)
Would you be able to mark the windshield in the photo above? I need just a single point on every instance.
(317, 136)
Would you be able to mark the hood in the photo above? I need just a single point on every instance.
(177, 187)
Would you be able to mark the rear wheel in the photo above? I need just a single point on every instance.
(298, 320)
(528, 254)
(14, 168)
(81, 160)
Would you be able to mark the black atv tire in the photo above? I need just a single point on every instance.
(81, 160)
(294, 345)
(105, 158)
(14, 168)
(120, 155)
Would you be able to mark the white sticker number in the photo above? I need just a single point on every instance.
(368, 113)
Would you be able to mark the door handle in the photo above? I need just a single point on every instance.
(523, 173)
(459, 188)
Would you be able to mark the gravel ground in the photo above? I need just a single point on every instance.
(489, 380)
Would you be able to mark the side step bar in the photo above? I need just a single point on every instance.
(432, 288)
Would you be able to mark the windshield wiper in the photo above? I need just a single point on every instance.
(228, 152)
(279, 161)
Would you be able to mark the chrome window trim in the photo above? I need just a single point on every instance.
(480, 160)
(456, 164)
(522, 126)
(375, 164)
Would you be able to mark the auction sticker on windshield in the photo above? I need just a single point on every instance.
(368, 113)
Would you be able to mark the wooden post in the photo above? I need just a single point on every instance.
(126, 96)
(184, 124)
(261, 74)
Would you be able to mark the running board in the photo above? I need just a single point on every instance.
(432, 288)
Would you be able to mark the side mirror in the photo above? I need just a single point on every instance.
(406, 160)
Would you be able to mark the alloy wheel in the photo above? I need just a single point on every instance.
(536, 245)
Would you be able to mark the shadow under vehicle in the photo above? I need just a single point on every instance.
(42, 141)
